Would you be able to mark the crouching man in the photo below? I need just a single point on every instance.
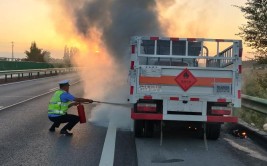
(58, 107)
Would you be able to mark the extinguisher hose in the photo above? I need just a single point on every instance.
(111, 103)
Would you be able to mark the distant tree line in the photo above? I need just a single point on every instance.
(36, 54)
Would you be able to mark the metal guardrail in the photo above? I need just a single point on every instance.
(10, 59)
(254, 103)
(31, 72)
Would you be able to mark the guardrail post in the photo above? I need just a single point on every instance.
(50, 72)
(22, 75)
(38, 74)
(18, 76)
(5, 77)
(11, 76)
(29, 75)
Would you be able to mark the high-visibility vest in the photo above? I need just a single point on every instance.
(56, 106)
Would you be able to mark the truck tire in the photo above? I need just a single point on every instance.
(139, 128)
(213, 131)
(143, 128)
(149, 129)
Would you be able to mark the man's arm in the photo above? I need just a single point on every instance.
(73, 104)
(65, 97)
(83, 100)
(79, 100)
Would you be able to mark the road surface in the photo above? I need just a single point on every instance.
(25, 139)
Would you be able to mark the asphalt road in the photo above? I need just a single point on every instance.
(25, 139)
(181, 147)
(14, 92)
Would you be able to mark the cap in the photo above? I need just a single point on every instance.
(64, 82)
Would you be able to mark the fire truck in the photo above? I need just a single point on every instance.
(191, 80)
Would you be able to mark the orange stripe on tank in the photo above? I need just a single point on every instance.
(170, 80)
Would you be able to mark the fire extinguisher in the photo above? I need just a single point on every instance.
(81, 113)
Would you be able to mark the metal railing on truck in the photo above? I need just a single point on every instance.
(31, 72)
(191, 52)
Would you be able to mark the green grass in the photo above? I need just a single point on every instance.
(253, 117)
(254, 84)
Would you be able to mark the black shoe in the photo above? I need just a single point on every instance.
(65, 132)
(52, 129)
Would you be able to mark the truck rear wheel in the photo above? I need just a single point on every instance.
(143, 128)
(139, 128)
(149, 128)
(213, 131)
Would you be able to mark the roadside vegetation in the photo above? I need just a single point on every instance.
(254, 36)
(254, 84)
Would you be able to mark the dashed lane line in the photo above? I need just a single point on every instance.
(107, 156)
(50, 91)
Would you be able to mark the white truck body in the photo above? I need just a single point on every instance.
(185, 79)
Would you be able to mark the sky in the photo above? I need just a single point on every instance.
(43, 21)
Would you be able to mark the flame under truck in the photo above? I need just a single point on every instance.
(193, 80)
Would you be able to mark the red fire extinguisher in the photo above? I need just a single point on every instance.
(81, 113)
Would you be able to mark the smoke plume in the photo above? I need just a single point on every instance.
(101, 29)
(116, 20)
(106, 26)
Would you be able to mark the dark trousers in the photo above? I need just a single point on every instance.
(71, 121)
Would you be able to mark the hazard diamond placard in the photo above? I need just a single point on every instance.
(185, 79)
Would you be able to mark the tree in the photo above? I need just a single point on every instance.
(66, 57)
(69, 54)
(254, 32)
(36, 54)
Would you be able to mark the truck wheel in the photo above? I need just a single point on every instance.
(213, 131)
(139, 128)
(149, 128)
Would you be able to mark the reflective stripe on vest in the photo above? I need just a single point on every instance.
(56, 106)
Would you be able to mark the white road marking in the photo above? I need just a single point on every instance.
(2, 108)
(250, 152)
(53, 89)
(24, 101)
(108, 152)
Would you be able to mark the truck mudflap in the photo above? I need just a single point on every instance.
(156, 116)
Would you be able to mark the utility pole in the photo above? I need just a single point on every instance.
(12, 44)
